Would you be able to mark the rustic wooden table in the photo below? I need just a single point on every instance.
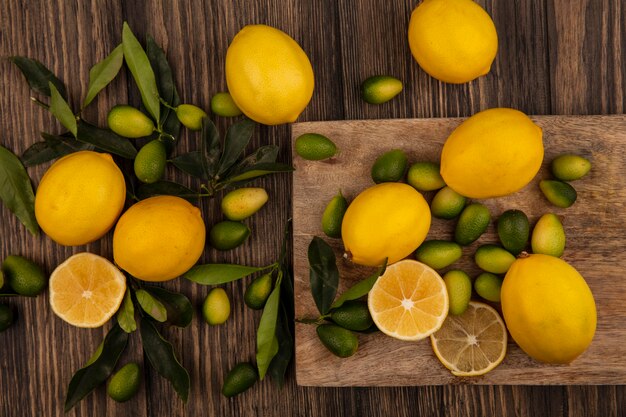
(555, 57)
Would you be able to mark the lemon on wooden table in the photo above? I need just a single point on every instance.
(159, 238)
(473, 343)
(454, 41)
(269, 76)
(79, 198)
(548, 308)
(409, 301)
(86, 290)
(494, 153)
(389, 220)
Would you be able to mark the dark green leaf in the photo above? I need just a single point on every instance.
(126, 314)
(166, 188)
(359, 289)
(191, 163)
(324, 275)
(266, 344)
(101, 74)
(179, 309)
(16, 191)
(278, 366)
(61, 110)
(52, 147)
(86, 379)
(162, 358)
(213, 274)
(259, 170)
(237, 138)
(139, 66)
(209, 147)
(38, 76)
(151, 305)
(264, 154)
(106, 140)
(38, 153)
(165, 85)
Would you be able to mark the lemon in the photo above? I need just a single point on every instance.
(472, 343)
(124, 384)
(24, 276)
(548, 308)
(79, 198)
(159, 238)
(86, 290)
(493, 153)
(454, 41)
(129, 122)
(409, 301)
(216, 307)
(150, 162)
(389, 220)
(269, 76)
(223, 105)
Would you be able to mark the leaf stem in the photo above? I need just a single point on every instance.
(40, 103)
(166, 104)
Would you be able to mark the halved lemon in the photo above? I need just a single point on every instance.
(409, 301)
(473, 343)
(86, 290)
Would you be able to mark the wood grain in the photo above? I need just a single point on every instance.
(346, 42)
(593, 227)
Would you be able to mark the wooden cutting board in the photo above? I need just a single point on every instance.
(596, 245)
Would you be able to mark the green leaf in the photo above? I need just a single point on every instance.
(61, 110)
(209, 148)
(259, 170)
(324, 275)
(280, 362)
(106, 140)
(16, 191)
(38, 153)
(213, 274)
(52, 147)
(359, 289)
(191, 163)
(237, 138)
(89, 377)
(101, 74)
(165, 85)
(166, 188)
(179, 309)
(162, 358)
(153, 307)
(266, 344)
(264, 154)
(126, 314)
(38, 76)
(139, 66)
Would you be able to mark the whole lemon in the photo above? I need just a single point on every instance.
(454, 41)
(269, 76)
(493, 153)
(548, 308)
(79, 198)
(159, 238)
(389, 220)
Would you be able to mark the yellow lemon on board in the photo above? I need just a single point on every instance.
(495, 152)
(79, 198)
(389, 220)
(454, 41)
(86, 290)
(409, 301)
(159, 238)
(269, 76)
(548, 308)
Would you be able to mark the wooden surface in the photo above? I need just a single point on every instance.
(555, 57)
(593, 226)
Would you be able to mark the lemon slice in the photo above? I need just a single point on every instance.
(409, 301)
(86, 290)
(473, 343)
